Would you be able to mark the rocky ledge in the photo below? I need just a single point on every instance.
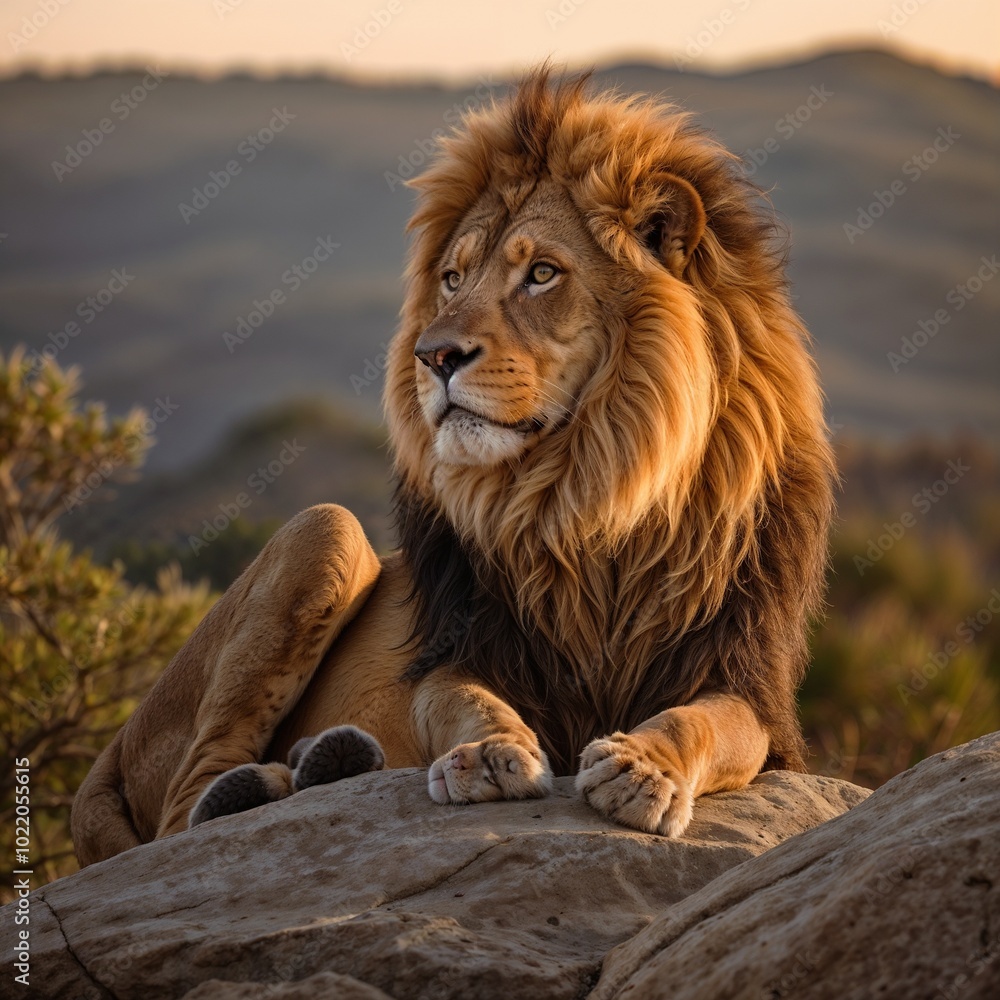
(366, 889)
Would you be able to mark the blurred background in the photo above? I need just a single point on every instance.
(202, 206)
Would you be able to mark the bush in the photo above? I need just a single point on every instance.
(79, 646)
(908, 662)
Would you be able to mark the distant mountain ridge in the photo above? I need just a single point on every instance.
(830, 138)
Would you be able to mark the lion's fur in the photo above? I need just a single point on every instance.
(671, 536)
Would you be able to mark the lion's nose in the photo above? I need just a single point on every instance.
(444, 359)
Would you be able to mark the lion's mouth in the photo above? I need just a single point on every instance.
(531, 425)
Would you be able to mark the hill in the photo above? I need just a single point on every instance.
(149, 216)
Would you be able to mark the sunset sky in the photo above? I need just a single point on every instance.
(453, 39)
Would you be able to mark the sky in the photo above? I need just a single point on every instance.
(452, 40)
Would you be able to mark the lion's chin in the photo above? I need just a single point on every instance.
(464, 438)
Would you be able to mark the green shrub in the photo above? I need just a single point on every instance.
(908, 662)
(79, 646)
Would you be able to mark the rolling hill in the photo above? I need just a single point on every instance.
(229, 246)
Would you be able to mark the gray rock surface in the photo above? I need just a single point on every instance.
(899, 898)
(366, 888)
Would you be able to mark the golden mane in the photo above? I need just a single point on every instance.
(684, 506)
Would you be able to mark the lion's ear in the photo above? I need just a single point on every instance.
(677, 224)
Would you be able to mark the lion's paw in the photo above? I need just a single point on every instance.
(241, 788)
(337, 753)
(620, 781)
(487, 771)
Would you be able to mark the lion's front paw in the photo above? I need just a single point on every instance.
(490, 770)
(620, 781)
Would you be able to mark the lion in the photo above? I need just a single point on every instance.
(613, 493)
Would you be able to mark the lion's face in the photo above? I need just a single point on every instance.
(514, 338)
(595, 333)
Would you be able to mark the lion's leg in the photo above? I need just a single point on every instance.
(649, 778)
(340, 752)
(307, 584)
(481, 750)
(242, 788)
(101, 820)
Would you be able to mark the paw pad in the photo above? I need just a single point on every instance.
(236, 791)
(337, 753)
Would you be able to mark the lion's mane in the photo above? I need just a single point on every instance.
(670, 537)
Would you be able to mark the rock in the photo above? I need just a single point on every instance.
(322, 986)
(899, 898)
(366, 888)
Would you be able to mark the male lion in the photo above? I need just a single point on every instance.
(613, 494)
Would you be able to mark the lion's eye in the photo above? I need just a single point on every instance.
(451, 280)
(541, 274)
